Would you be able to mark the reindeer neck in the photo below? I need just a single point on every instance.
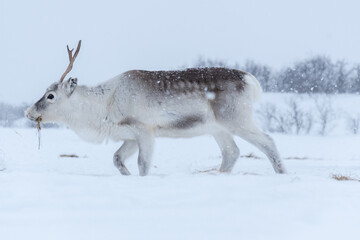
(88, 107)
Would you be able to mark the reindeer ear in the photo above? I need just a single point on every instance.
(70, 85)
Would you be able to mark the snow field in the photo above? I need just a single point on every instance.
(44, 196)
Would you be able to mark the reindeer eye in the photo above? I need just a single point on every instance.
(50, 96)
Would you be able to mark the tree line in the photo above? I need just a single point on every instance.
(318, 74)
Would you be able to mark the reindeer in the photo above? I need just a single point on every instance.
(137, 106)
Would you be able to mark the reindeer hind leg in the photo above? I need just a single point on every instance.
(264, 143)
(235, 114)
(230, 152)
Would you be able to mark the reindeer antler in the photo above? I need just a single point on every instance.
(71, 60)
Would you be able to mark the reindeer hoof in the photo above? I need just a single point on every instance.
(124, 171)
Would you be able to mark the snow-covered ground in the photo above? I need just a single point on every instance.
(45, 196)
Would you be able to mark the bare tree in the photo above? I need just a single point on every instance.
(354, 123)
(284, 124)
(273, 119)
(325, 112)
(309, 122)
(267, 116)
(297, 115)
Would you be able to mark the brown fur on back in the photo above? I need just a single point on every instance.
(190, 80)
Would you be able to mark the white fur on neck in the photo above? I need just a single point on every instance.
(90, 104)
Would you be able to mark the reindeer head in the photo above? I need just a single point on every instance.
(55, 99)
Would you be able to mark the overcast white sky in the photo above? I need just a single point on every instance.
(158, 34)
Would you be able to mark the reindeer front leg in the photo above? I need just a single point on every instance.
(128, 148)
(145, 142)
(144, 136)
